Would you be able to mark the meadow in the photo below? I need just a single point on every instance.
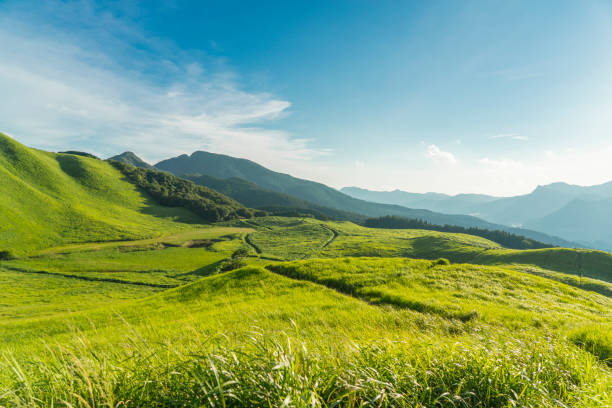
(110, 299)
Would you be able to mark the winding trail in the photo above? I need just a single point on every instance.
(335, 235)
(247, 239)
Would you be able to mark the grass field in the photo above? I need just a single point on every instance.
(113, 301)
(356, 241)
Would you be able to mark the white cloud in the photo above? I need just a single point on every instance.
(437, 155)
(93, 89)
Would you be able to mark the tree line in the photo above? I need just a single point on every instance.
(504, 238)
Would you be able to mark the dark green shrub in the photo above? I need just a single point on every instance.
(231, 264)
(441, 261)
(6, 256)
(240, 253)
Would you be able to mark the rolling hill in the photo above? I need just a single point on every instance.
(223, 167)
(57, 198)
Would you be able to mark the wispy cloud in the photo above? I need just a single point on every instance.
(105, 86)
(437, 155)
(513, 136)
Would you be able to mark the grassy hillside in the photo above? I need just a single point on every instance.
(51, 199)
(282, 238)
(286, 341)
(173, 191)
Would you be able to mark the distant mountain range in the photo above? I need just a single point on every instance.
(316, 195)
(582, 214)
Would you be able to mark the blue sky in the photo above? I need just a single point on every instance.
(476, 96)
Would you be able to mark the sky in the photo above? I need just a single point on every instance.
(493, 97)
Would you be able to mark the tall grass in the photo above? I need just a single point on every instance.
(281, 371)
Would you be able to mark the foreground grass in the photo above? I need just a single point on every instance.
(252, 338)
(277, 371)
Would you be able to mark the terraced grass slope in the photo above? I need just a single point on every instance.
(50, 199)
(283, 238)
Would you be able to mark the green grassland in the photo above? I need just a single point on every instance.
(353, 240)
(113, 300)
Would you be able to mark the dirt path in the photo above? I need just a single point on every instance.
(332, 239)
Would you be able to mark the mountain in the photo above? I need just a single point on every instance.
(458, 204)
(223, 167)
(571, 212)
(588, 221)
(254, 196)
(50, 199)
(131, 158)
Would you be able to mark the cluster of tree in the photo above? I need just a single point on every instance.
(172, 191)
(235, 261)
(77, 153)
(501, 237)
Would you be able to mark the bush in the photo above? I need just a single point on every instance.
(441, 261)
(6, 256)
(240, 253)
(231, 264)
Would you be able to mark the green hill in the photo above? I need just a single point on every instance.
(222, 166)
(51, 199)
